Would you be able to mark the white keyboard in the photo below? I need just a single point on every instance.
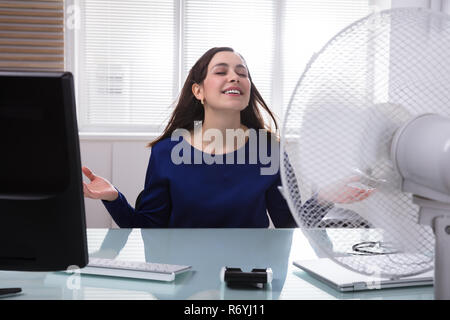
(133, 269)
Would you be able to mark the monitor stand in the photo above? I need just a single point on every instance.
(9, 291)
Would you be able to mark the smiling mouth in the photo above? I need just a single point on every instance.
(232, 92)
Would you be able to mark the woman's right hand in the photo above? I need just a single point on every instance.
(98, 188)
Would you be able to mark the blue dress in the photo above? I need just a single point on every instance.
(216, 192)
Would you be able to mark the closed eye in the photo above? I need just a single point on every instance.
(239, 74)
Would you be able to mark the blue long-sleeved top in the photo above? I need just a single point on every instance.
(204, 195)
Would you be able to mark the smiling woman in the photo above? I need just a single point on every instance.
(219, 95)
(226, 79)
(203, 97)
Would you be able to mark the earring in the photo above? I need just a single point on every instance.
(202, 101)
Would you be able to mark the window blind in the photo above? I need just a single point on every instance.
(247, 26)
(132, 56)
(127, 63)
(32, 35)
(307, 26)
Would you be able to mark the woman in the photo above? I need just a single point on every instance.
(181, 191)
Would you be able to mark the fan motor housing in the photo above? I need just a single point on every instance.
(421, 154)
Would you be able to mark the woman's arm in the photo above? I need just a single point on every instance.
(310, 214)
(278, 208)
(154, 209)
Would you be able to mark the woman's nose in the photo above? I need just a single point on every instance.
(234, 77)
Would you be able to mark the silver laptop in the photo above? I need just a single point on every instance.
(345, 280)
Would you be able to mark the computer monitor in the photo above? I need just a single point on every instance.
(42, 217)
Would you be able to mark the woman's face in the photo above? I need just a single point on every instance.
(227, 85)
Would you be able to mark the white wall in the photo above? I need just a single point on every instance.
(122, 160)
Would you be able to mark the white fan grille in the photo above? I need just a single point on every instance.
(340, 122)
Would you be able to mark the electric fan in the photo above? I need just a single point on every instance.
(366, 137)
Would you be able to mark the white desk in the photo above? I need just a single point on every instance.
(207, 250)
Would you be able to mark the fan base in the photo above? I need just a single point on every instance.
(437, 215)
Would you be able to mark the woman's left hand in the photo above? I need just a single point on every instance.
(344, 192)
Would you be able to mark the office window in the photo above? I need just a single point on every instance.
(246, 26)
(32, 35)
(126, 63)
(307, 26)
(132, 56)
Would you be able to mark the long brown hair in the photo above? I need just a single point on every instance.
(189, 109)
